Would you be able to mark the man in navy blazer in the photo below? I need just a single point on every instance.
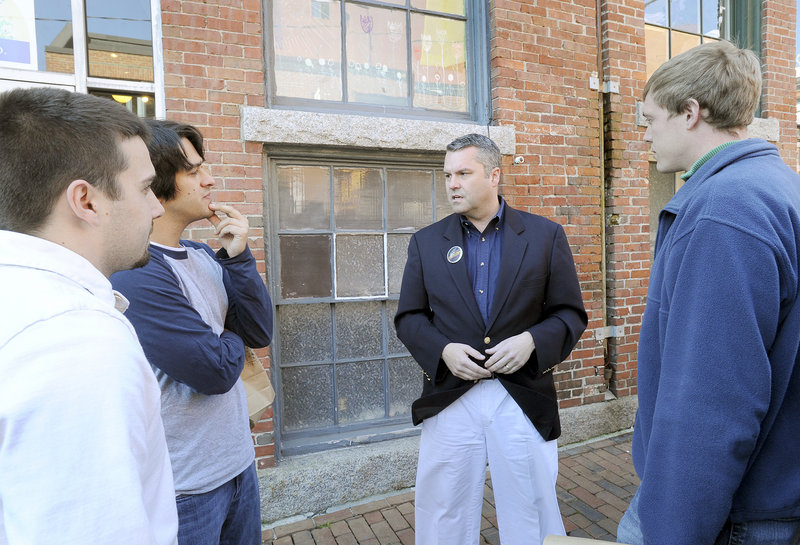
(489, 304)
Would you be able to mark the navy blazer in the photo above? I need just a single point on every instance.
(537, 290)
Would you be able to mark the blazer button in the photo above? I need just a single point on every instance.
(486, 340)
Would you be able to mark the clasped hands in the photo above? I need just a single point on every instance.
(507, 357)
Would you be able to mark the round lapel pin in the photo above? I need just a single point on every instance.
(454, 254)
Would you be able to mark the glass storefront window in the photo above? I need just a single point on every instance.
(101, 47)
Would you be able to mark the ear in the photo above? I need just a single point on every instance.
(494, 176)
(82, 200)
(692, 113)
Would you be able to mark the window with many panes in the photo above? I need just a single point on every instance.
(104, 48)
(343, 229)
(672, 27)
(675, 26)
(387, 56)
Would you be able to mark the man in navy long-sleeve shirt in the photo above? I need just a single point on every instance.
(194, 312)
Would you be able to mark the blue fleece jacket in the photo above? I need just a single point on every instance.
(718, 426)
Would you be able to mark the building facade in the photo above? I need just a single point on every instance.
(326, 122)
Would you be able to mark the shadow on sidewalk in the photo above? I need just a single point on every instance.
(596, 481)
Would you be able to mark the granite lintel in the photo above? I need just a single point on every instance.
(272, 126)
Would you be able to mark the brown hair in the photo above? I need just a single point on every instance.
(51, 137)
(723, 79)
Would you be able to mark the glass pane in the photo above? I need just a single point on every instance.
(393, 343)
(439, 63)
(304, 196)
(685, 15)
(143, 105)
(359, 328)
(307, 40)
(120, 39)
(443, 208)
(405, 385)
(455, 7)
(397, 254)
(359, 387)
(305, 266)
(358, 194)
(682, 42)
(36, 35)
(711, 22)
(307, 397)
(377, 55)
(409, 199)
(305, 333)
(359, 265)
(656, 47)
(655, 12)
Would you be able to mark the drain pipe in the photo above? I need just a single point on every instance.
(601, 132)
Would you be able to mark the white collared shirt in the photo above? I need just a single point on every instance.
(83, 458)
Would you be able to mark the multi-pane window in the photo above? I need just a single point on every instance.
(100, 47)
(389, 55)
(342, 233)
(675, 26)
(672, 27)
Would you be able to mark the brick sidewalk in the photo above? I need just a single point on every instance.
(595, 483)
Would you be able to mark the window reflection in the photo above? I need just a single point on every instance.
(440, 65)
(685, 15)
(28, 29)
(143, 105)
(120, 39)
(307, 41)
(377, 62)
(38, 35)
(311, 62)
(655, 12)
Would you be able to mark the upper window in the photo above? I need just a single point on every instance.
(386, 56)
(675, 26)
(105, 48)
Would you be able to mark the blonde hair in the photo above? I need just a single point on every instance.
(723, 79)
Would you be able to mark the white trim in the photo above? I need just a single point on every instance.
(120, 85)
(80, 46)
(38, 76)
(158, 59)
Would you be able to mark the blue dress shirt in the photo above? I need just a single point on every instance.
(482, 254)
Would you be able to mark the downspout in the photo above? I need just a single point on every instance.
(602, 153)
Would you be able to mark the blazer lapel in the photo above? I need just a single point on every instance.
(513, 251)
(454, 236)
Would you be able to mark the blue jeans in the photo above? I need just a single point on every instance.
(227, 515)
(758, 532)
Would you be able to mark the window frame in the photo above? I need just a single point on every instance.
(81, 82)
(293, 442)
(477, 48)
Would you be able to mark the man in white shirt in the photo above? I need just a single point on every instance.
(83, 458)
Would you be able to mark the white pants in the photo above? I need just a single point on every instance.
(451, 472)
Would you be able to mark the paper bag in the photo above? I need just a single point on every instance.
(257, 386)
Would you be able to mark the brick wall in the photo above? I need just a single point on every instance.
(778, 59)
(627, 212)
(542, 56)
(213, 65)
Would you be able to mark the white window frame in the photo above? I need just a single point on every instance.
(80, 81)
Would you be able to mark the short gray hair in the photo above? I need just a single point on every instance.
(488, 153)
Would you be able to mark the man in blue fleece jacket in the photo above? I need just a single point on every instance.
(194, 311)
(716, 435)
